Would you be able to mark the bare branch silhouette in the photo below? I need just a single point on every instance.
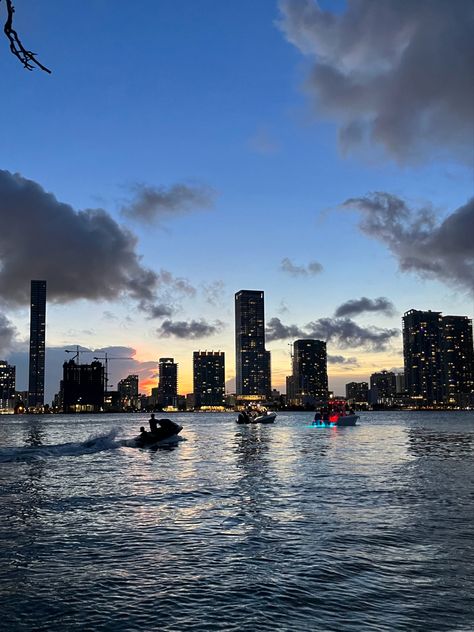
(26, 57)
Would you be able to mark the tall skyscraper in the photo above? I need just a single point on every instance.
(37, 344)
(310, 373)
(167, 382)
(208, 378)
(253, 374)
(128, 391)
(422, 356)
(7, 384)
(457, 361)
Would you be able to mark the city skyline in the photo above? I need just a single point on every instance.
(216, 155)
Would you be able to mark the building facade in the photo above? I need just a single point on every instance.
(457, 361)
(83, 387)
(310, 373)
(383, 388)
(209, 379)
(253, 371)
(422, 357)
(167, 395)
(37, 344)
(128, 391)
(357, 393)
(7, 385)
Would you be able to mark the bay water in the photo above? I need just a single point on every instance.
(260, 527)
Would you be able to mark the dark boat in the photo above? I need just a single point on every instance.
(264, 418)
(166, 434)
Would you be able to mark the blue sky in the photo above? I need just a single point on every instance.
(218, 95)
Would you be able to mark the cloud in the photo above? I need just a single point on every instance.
(311, 269)
(434, 249)
(396, 73)
(156, 310)
(152, 204)
(81, 254)
(176, 284)
(276, 330)
(191, 330)
(8, 333)
(263, 142)
(213, 292)
(339, 359)
(346, 333)
(343, 332)
(355, 307)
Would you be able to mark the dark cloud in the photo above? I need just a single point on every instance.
(339, 359)
(81, 254)
(8, 334)
(191, 330)
(394, 72)
(421, 243)
(276, 330)
(150, 204)
(358, 306)
(312, 268)
(156, 310)
(346, 333)
(343, 332)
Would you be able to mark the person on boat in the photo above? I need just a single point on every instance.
(317, 417)
(143, 432)
(153, 423)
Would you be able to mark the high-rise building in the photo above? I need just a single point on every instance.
(422, 337)
(128, 391)
(383, 387)
(310, 374)
(253, 373)
(457, 361)
(167, 383)
(208, 378)
(357, 392)
(7, 384)
(37, 344)
(83, 387)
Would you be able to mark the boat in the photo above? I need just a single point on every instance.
(335, 416)
(264, 417)
(166, 434)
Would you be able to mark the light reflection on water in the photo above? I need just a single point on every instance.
(238, 528)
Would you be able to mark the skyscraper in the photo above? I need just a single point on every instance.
(7, 384)
(457, 361)
(83, 387)
(208, 378)
(310, 374)
(128, 391)
(383, 387)
(167, 382)
(37, 344)
(253, 376)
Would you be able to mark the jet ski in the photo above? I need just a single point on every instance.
(166, 434)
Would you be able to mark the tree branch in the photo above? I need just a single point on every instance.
(26, 57)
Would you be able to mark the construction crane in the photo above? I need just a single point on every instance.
(77, 351)
(106, 358)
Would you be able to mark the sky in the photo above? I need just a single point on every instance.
(183, 150)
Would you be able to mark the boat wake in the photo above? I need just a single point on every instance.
(95, 443)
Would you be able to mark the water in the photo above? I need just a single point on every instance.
(276, 527)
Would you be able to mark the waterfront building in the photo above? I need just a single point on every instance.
(310, 375)
(253, 372)
(37, 344)
(7, 385)
(422, 336)
(457, 361)
(383, 388)
(167, 395)
(209, 379)
(357, 393)
(128, 391)
(83, 387)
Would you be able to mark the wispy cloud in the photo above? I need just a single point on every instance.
(152, 204)
(310, 269)
(420, 242)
